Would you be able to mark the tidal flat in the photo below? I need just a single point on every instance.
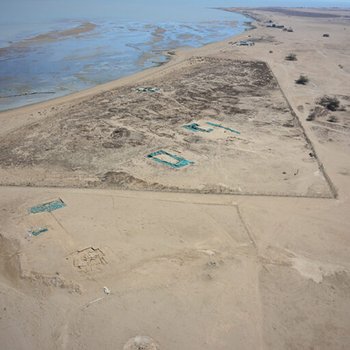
(77, 55)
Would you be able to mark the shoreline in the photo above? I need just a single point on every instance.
(116, 82)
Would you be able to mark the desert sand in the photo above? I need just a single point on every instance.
(245, 246)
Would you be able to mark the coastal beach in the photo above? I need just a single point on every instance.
(200, 204)
(71, 55)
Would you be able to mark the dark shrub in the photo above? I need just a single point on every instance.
(332, 119)
(317, 112)
(291, 57)
(311, 117)
(331, 103)
(302, 80)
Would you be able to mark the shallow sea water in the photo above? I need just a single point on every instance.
(38, 70)
(129, 36)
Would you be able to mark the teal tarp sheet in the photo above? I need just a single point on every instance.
(179, 162)
(223, 127)
(38, 231)
(47, 207)
(194, 127)
(149, 89)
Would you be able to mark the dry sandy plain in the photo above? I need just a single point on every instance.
(247, 247)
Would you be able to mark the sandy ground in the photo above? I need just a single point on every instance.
(104, 141)
(184, 259)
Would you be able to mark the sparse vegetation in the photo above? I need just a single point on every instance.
(317, 112)
(302, 80)
(332, 119)
(291, 57)
(331, 103)
(311, 116)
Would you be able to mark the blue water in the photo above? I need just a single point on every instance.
(130, 36)
(22, 11)
(117, 47)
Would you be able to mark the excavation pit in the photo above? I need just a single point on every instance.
(47, 207)
(223, 127)
(195, 127)
(169, 159)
